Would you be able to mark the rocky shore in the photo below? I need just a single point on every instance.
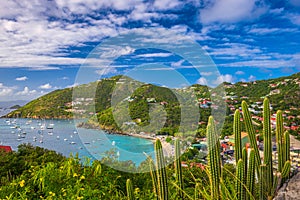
(290, 190)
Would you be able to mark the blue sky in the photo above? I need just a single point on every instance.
(44, 43)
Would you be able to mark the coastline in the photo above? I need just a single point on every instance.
(168, 149)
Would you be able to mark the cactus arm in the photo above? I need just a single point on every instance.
(237, 136)
(239, 186)
(214, 162)
(287, 146)
(245, 161)
(251, 175)
(268, 145)
(286, 169)
(279, 135)
(129, 190)
(263, 195)
(251, 134)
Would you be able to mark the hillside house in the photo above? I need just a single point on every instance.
(151, 100)
(273, 85)
(277, 91)
(244, 138)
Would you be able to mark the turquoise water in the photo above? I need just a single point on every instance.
(65, 138)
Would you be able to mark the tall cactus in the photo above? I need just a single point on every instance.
(129, 189)
(161, 171)
(287, 144)
(240, 179)
(178, 170)
(251, 175)
(279, 136)
(267, 145)
(237, 136)
(286, 152)
(245, 161)
(251, 134)
(263, 185)
(214, 160)
(267, 182)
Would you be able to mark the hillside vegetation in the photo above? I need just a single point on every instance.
(94, 101)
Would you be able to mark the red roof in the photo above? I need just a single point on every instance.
(6, 148)
(224, 145)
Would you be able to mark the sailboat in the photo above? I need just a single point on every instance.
(50, 126)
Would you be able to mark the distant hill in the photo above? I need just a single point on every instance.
(58, 104)
(283, 92)
(8, 104)
(15, 107)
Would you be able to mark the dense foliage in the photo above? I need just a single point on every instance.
(36, 173)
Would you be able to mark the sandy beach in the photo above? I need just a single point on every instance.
(168, 148)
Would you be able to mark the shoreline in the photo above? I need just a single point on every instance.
(168, 149)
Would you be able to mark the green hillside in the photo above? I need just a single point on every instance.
(97, 98)
(58, 104)
(283, 92)
(51, 105)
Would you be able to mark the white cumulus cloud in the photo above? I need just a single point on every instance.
(23, 78)
(224, 78)
(230, 11)
(26, 91)
(165, 4)
(202, 81)
(105, 71)
(5, 90)
(46, 86)
(252, 78)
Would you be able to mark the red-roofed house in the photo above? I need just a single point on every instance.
(5, 148)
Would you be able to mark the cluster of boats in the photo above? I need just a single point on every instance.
(41, 126)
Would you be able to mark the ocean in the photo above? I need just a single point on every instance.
(64, 137)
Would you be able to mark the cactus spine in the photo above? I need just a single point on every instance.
(214, 161)
(161, 171)
(251, 134)
(178, 170)
(240, 179)
(237, 136)
(129, 189)
(267, 146)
